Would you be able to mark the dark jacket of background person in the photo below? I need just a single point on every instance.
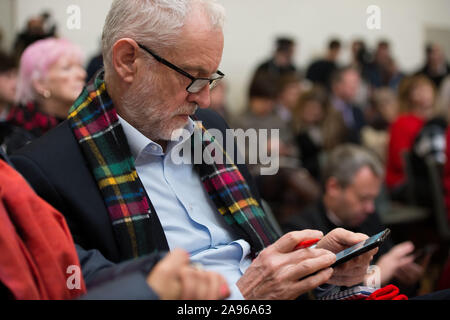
(282, 60)
(24, 124)
(12, 137)
(447, 174)
(61, 176)
(320, 70)
(429, 144)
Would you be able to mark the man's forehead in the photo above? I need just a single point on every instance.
(199, 54)
(365, 181)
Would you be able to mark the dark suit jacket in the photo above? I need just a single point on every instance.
(354, 133)
(58, 172)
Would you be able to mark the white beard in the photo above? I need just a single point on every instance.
(145, 111)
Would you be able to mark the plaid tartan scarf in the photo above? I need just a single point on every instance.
(95, 124)
(232, 196)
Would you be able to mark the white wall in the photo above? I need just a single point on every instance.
(252, 26)
(7, 23)
(93, 13)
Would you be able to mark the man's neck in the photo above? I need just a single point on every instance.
(330, 212)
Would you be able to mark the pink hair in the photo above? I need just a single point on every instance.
(36, 61)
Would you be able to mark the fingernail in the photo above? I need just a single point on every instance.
(224, 290)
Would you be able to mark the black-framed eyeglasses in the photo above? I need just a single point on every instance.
(197, 84)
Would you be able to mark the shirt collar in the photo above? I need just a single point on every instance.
(334, 218)
(139, 143)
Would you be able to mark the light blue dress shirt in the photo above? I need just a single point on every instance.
(188, 216)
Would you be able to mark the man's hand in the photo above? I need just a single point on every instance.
(353, 271)
(409, 274)
(275, 273)
(174, 278)
(399, 263)
(396, 258)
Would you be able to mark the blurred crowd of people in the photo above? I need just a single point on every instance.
(369, 103)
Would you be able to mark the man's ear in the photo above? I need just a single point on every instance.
(124, 55)
(332, 187)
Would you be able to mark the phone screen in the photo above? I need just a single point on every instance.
(361, 247)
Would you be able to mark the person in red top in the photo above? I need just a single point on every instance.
(417, 106)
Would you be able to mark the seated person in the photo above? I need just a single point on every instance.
(320, 70)
(289, 89)
(282, 60)
(51, 77)
(345, 85)
(11, 137)
(295, 186)
(417, 106)
(110, 167)
(39, 259)
(446, 175)
(318, 128)
(352, 181)
(383, 110)
(8, 80)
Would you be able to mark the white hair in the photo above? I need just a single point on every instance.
(155, 23)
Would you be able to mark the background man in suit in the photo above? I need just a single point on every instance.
(345, 86)
(110, 167)
(352, 182)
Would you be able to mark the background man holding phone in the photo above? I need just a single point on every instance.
(352, 181)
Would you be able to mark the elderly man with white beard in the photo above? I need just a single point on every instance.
(109, 167)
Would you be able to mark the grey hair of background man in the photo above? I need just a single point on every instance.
(154, 23)
(344, 162)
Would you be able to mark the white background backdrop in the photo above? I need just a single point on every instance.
(252, 26)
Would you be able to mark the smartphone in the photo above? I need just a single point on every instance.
(361, 247)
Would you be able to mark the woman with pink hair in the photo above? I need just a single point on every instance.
(50, 79)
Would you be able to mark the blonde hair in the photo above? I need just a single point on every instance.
(406, 87)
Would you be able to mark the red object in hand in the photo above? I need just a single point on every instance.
(306, 244)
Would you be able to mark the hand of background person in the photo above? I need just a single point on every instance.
(175, 278)
(409, 274)
(392, 263)
(354, 271)
(277, 270)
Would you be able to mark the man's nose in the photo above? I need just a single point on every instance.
(201, 98)
(369, 207)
